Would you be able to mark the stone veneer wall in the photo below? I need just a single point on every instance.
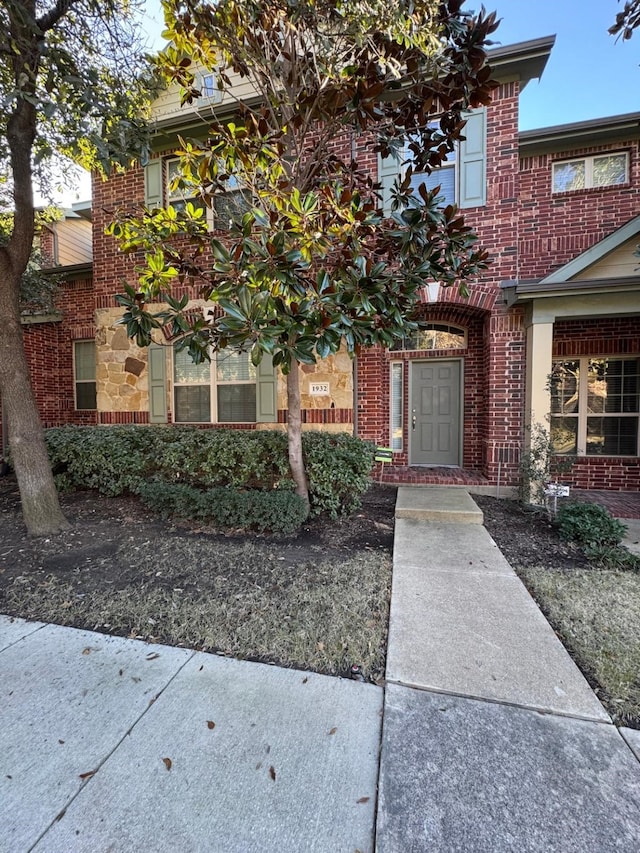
(122, 377)
(121, 369)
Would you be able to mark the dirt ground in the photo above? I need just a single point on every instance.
(318, 600)
(526, 537)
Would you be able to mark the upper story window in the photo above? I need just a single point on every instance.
(177, 197)
(602, 170)
(210, 92)
(225, 205)
(462, 177)
(435, 336)
(445, 176)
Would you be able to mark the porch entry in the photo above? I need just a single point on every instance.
(434, 413)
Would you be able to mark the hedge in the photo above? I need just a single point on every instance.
(116, 460)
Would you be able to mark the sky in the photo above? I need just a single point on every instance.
(588, 75)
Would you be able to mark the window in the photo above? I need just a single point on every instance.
(595, 406)
(587, 172)
(435, 336)
(177, 197)
(210, 92)
(226, 205)
(220, 391)
(396, 405)
(84, 369)
(444, 177)
(462, 178)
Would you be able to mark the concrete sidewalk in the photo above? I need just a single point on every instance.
(492, 739)
(108, 744)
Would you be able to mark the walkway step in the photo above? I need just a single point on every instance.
(437, 503)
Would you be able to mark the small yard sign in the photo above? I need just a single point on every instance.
(556, 490)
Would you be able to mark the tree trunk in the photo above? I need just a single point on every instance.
(40, 505)
(294, 434)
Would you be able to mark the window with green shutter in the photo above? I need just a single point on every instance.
(229, 389)
(462, 177)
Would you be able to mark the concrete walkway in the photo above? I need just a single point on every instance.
(491, 741)
(108, 744)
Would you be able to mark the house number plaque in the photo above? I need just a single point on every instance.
(318, 388)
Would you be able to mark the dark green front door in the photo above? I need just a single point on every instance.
(434, 422)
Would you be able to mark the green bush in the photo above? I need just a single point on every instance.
(590, 525)
(116, 460)
(339, 468)
(227, 507)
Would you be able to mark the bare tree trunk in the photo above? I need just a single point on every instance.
(40, 505)
(294, 434)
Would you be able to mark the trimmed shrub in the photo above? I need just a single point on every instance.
(119, 459)
(226, 507)
(590, 525)
(339, 468)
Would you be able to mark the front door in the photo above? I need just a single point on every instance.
(434, 417)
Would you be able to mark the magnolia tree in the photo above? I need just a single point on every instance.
(70, 84)
(309, 263)
(627, 20)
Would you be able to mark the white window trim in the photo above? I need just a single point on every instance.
(212, 384)
(588, 171)
(583, 415)
(396, 365)
(179, 196)
(445, 165)
(77, 381)
(216, 95)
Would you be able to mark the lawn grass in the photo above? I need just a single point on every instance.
(596, 613)
(243, 601)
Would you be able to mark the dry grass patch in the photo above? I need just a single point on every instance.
(597, 616)
(247, 601)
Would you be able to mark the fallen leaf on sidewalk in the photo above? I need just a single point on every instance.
(272, 772)
(168, 763)
(152, 656)
(211, 724)
(88, 774)
(363, 800)
(333, 730)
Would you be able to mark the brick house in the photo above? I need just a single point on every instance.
(550, 334)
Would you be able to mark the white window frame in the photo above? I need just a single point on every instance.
(212, 383)
(208, 86)
(446, 165)
(451, 328)
(213, 218)
(394, 405)
(588, 171)
(582, 416)
(179, 196)
(77, 381)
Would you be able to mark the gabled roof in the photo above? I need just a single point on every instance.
(580, 134)
(595, 253)
(571, 279)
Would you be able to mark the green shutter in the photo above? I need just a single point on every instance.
(266, 392)
(388, 170)
(157, 384)
(473, 160)
(153, 184)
